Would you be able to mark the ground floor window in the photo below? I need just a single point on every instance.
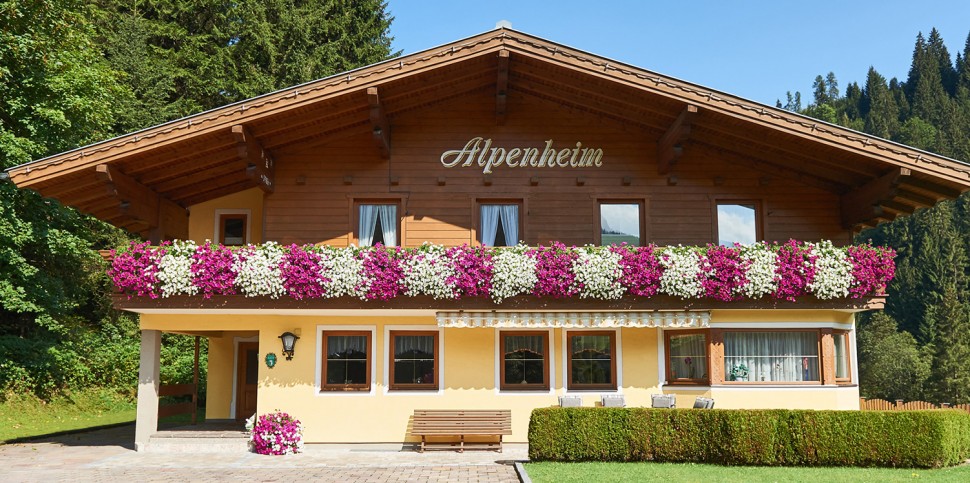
(783, 356)
(525, 360)
(591, 360)
(842, 371)
(414, 356)
(346, 361)
(687, 357)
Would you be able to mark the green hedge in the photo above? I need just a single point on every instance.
(927, 439)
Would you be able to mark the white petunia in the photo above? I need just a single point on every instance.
(257, 270)
(681, 269)
(833, 271)
(599, 271)
(175, 269)
(513, 273)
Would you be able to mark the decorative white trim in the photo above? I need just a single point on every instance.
(233, 211)
(318, 371)
(235, 370)
(780, 325)
(619, 366)
(498, 364)
(387, 359)
(573, 320)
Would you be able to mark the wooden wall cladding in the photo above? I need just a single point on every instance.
(316, 184)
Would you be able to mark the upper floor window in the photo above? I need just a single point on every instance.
(620, 222)
(499, 225)
(738, 222)
(233, 228)
(377, 223)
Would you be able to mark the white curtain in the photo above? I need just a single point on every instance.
(508, 216)
(841, 361)
(368, 221)
(532, 343)
(340, 345)
(510, 224)
(388, 214)
(490, 216)
(411, 344)
(772, 356)
(688, 356)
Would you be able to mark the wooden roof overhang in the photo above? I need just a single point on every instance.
(144, 181)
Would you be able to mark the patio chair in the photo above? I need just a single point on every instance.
(704, 403)
(663, 401)
(613, 401)
(570, 401)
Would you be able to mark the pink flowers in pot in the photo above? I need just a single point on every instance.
(786, 271)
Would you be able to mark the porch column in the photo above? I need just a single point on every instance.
(146, 419)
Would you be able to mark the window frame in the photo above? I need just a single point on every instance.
(758, 216)
(546, 362)
(352, 388)
(391, 385)
(818, 349)
(844, 334)
(614, 361)
(477, 203)
(220, 227)
(668, 334)
(355, 204)
(598, 217)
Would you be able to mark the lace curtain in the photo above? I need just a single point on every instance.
(771, 356)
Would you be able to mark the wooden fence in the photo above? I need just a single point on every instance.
(899, 405)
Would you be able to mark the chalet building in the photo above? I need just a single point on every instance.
(491, 140)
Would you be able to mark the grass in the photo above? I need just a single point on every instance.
(703, 473)
(28, 417)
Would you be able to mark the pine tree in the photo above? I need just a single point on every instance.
(882, 113)
(949, 379)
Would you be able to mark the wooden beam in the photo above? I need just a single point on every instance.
(502, 87)
(915, 199)
(863, 203)
(671, 144)
(135, 200)
(379, 125)
(259, 164)
(939, 190)
(770, 167)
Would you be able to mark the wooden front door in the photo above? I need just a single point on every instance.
(247, 371)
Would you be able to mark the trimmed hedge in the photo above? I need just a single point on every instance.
(912, 439)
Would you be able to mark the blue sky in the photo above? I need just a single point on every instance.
(753, 49)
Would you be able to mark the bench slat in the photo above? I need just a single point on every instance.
(461, 423)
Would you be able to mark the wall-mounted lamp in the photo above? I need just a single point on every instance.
(289, 340)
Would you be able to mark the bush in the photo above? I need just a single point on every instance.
(928, 439)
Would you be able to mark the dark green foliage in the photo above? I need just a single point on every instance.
(891, 365)
(928, 439)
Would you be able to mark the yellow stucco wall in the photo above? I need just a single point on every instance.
(469, 379)
(202, 216)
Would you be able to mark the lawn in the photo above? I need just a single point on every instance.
(688, 472)
(24, 417)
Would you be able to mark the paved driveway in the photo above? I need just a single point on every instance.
(108, 456)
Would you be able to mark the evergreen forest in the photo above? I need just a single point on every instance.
(74, 72)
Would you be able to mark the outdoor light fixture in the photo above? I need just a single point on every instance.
(289, 340)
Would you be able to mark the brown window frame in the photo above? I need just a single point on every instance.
(544, 386)
(233, 216)
(848, 358)
(759, 221)
(476, 235)
(355, 216)
(818, 349)
(598, 217)
(703, 381)
(392, 386)
(568, 354)
(325, 335)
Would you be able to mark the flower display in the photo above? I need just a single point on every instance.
(276, 433)
(783, 271)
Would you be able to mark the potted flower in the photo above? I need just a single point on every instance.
(275, 433)
(739, 372)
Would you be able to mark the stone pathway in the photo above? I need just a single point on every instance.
(108, 456)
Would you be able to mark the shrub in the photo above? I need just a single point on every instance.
(751, 437)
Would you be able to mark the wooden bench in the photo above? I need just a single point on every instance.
(461, 423)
